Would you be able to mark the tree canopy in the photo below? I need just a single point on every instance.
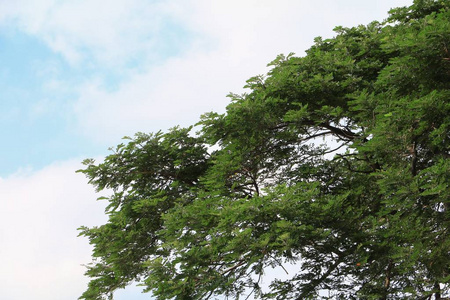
(332, 173)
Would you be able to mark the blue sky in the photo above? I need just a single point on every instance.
(77, 76)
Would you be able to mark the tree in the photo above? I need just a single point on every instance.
(335, 163)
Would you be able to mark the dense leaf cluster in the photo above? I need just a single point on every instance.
(331, 175)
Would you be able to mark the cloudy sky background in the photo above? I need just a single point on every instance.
(76, 76)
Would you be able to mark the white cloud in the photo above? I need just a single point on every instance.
(176, 93)
(110, 33)
(41, 255)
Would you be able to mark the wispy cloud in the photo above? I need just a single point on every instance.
(112, 33)
(41, 255)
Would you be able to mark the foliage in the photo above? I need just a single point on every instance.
(334, 165)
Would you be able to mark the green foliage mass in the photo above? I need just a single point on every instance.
(332, 172)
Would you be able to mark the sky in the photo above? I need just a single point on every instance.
(76, 76)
